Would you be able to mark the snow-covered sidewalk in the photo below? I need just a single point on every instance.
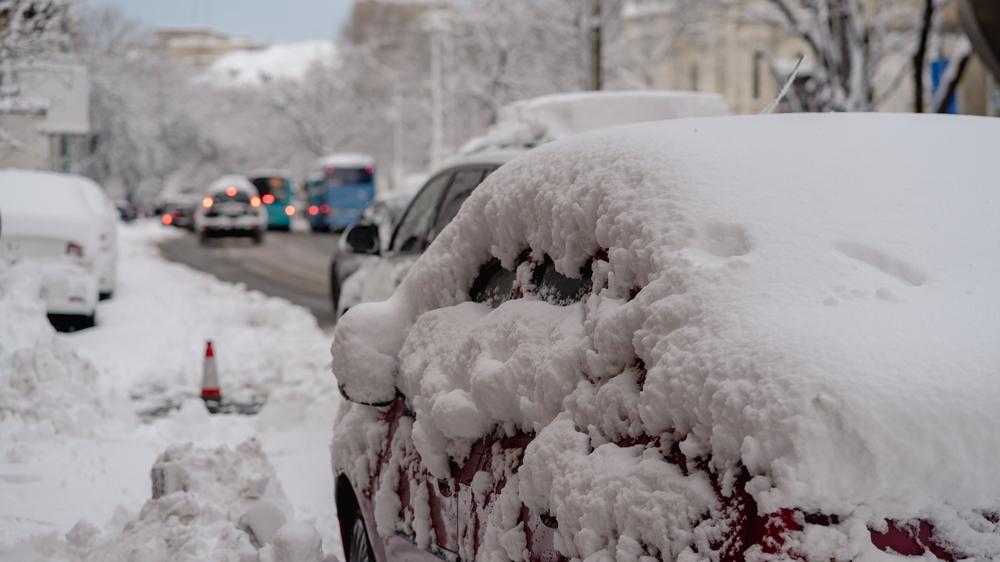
(72, 444)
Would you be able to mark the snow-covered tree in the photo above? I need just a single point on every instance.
(28, 29)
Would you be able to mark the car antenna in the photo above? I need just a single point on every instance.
(785, 87)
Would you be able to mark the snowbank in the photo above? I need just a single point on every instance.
(813, 298)
(75, 454)
(46, 388)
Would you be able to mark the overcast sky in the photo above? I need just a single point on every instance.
(263, 20)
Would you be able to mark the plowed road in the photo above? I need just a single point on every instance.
(290, 265)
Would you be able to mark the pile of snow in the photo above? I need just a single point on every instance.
(282, 61)
(528, 123)
(74, 451)
(46, 388)
(813, 298)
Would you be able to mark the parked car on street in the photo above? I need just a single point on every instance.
(522, 126)
(382, 213)
(231, 207)
(760, 338)
(57, 222)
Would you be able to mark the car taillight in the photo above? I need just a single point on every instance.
(74, 249)
(167, 219)
(255, 202)
(207, 202)
(370, 169)
(231, 191)
(313, 210)
(290, 210)
(325, 209)
(268, 199)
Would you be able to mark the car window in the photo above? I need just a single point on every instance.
(494, 285)
(411, 235)
(465, 181)
(238, 197)
(555, 288)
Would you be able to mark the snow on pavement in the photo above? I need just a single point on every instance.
(74, 452)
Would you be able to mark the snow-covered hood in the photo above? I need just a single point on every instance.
(818, 304)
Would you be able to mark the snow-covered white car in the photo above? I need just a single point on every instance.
(56, 222)
(231, 207)
(743, 338)
(522, 126)
(106, 211)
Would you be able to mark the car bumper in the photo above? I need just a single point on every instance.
(234, 225)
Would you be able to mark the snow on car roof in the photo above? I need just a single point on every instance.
(45, 204)
(232, 180)
(818, 305)
(346, 159)
(533, 121)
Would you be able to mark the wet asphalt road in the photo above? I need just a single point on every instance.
(290, 265)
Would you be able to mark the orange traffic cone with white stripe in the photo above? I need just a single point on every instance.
(210, 392)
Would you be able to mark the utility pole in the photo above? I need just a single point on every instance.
(595, 45)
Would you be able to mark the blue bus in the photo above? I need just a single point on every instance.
(339, 188)
(277, 195)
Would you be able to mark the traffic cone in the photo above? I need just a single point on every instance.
(210, 392)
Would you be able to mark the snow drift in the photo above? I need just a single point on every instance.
(813, 298)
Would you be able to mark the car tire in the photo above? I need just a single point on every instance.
(357, 545)
(106, 295)
(87, 321)
(258, 237)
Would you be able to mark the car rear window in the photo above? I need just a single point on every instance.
(274, 185)
(347, 176)
(238, 197)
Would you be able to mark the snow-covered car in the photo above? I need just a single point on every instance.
(104, 208)
(382, 213)
(50, 219)
(231, 207)
(743, 338)
(522, 126)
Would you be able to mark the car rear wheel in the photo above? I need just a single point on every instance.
(258, 237)
(357, 547)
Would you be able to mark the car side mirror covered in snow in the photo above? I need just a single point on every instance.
(363, 239)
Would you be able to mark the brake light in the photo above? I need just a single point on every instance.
(74, 249)
(231, 191)
(207, 202)
(325, 209)
(313, 210)
(370, 169)
(255, 202)
(290, 210)
(167, 219)
(268, 199)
